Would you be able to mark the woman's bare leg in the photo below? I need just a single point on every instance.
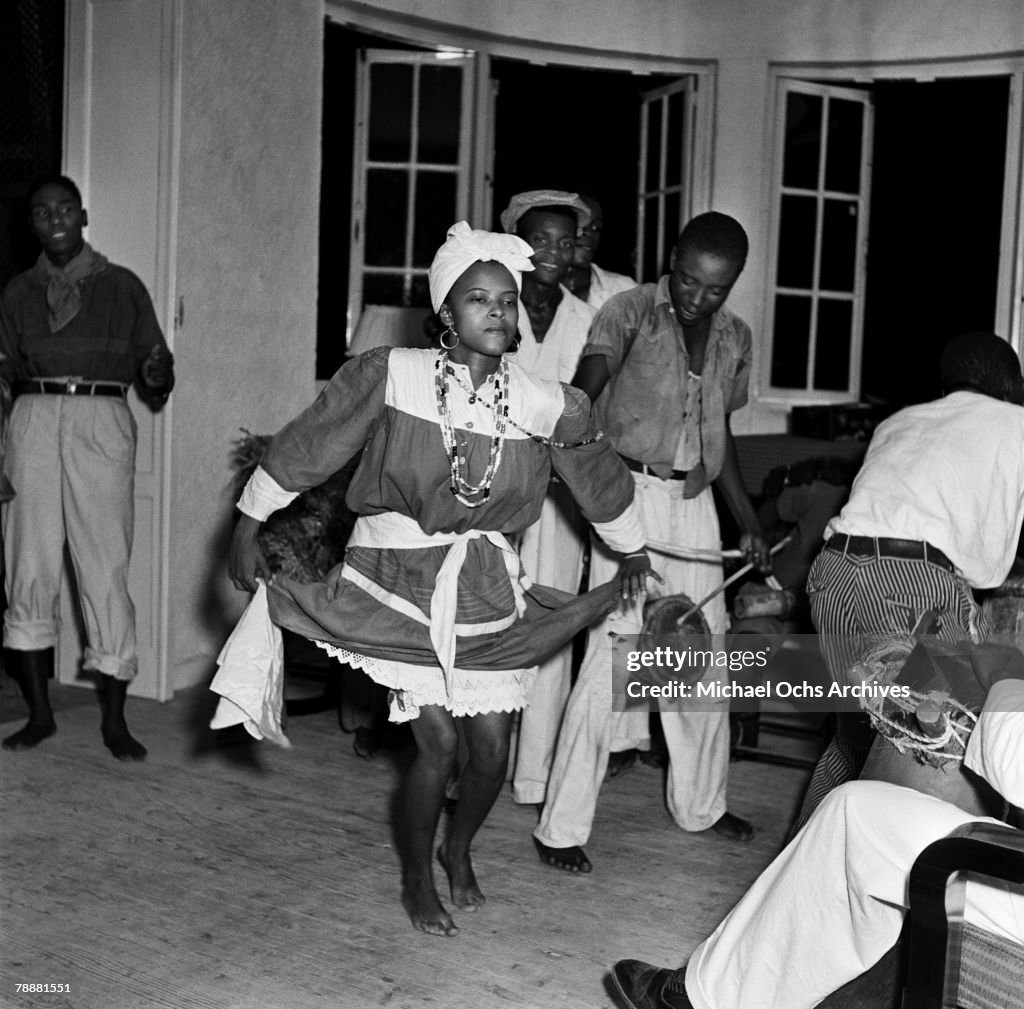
(419, 811)
(487, 738)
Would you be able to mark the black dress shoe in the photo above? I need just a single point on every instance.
(644, 986)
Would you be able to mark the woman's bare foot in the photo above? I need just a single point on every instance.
(466, 893)
(425, 910)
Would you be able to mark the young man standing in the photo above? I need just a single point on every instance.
(665, 365)
(588, 281)
(553, 324)
(76, 332)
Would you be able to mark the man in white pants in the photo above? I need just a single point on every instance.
(553, 326)
(832, 904)
(665, 364)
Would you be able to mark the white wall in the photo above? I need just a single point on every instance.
(247, 253)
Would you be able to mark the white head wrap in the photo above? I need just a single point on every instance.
(466, 246)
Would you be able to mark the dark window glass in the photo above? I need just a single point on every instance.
(390, 112)
(387, 206)
(383, 289)
(832, 347)
(653, 176)
(673, 202)
(652, 207)
(420, 297)
(796, 241)
(842, 158)
(791, 341)
(440, 109)
(803, 140)
(677, 126)
(839, 246)
(435, 214)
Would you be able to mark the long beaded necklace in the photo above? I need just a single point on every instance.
(474, 396)
(471, 495)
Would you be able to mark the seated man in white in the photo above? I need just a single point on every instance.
(832, 904)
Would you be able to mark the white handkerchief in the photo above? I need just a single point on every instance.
(251, 675)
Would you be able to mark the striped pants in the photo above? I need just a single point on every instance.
(858, 603)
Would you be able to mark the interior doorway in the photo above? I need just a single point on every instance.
(530, 127)
(936, 218)
(577, 130)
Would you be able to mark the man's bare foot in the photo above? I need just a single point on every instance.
(573, 859)
(734, 828)
(425, 910)
(620, 762)
(122, 744)
(31, 734)
(466, 893)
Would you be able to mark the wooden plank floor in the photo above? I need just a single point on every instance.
(249, 877)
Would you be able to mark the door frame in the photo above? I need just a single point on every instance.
(431, 34)
(146, 63)
(1009, 307)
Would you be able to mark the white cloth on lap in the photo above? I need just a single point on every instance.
(250, 679)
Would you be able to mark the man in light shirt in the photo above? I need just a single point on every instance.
(935, 512)
(832, 904)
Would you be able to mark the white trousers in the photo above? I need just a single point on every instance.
(698, 741)
(832, 903)
(552, 554)
(71, 460)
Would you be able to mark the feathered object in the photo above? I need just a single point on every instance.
(306, 539)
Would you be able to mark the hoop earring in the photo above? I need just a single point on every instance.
(451, 330)
(516, 341)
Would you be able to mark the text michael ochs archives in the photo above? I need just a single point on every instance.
(744, 671)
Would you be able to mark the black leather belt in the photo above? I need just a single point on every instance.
(868, 546)
(642, 467)
(69, 387)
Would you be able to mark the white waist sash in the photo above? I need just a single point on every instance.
(392, 531)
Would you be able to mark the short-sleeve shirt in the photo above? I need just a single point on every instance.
(642, 409)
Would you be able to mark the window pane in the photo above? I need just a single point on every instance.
(674, 167)
(839, 246)
(382, 289)
(652, 179)
(791, 341)
(842, 159)
(673, 202)
(435, 214)
(652, 256)
(386, 213)
(420, 292)
(440, 111)
(796, 241)
(390, 125)
(832, 349)
(803, 140)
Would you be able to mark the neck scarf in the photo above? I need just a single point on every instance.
(64, 284)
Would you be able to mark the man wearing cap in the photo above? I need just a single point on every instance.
(553, 324)
(588, 281)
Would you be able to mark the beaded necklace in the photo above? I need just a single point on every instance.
(474, 396)
(471, 495)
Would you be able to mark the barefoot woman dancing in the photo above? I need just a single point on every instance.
(458, 447)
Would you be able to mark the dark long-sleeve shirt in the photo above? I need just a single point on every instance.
(107, 341)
